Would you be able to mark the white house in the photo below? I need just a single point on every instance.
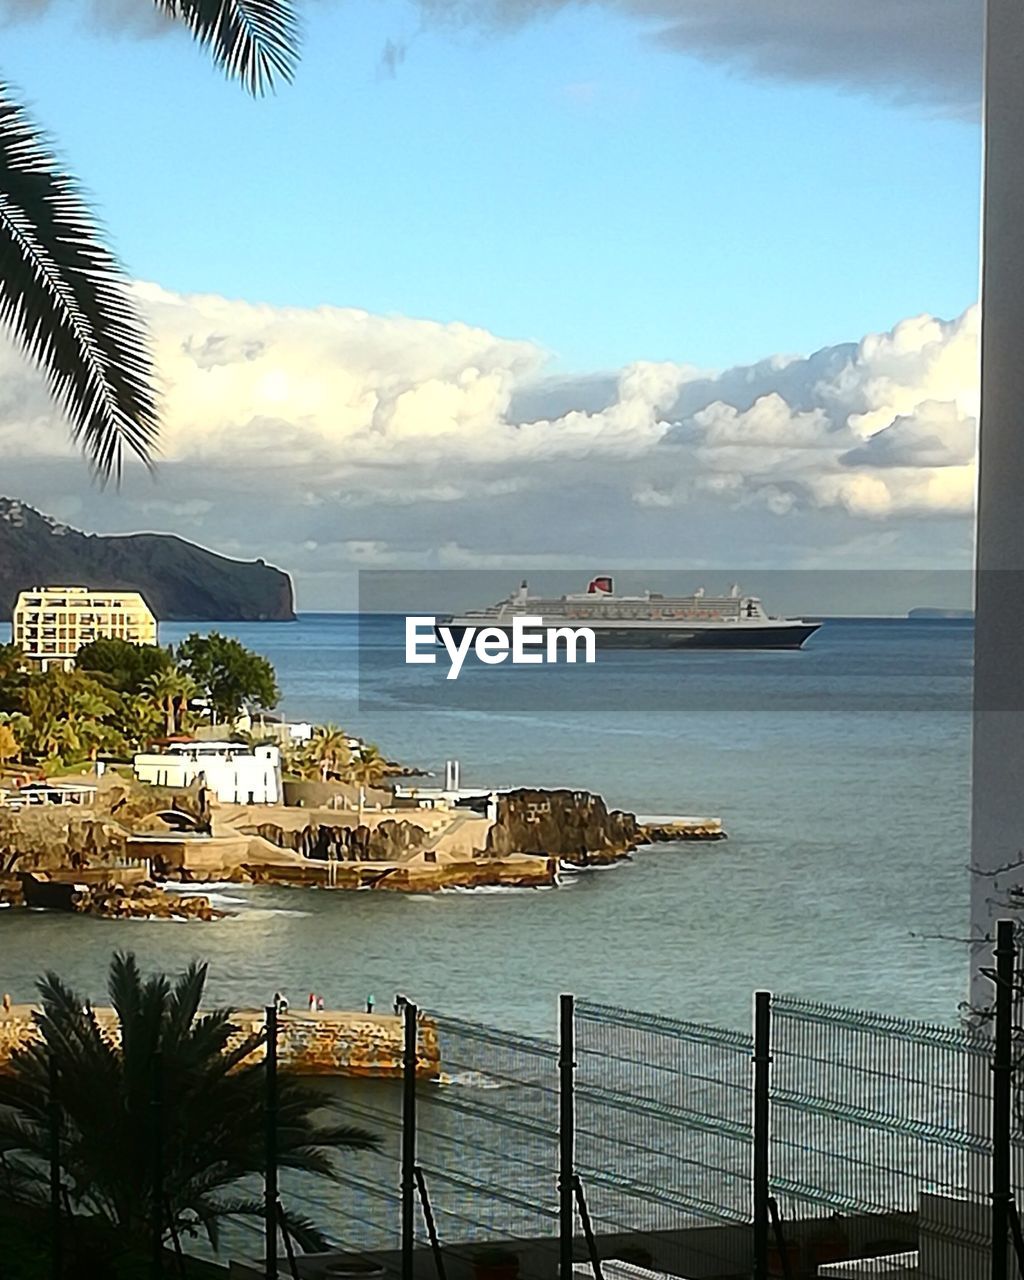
(232, 772)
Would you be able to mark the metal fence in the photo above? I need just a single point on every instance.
(824, 1136)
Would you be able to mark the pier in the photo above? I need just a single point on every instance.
(329, 1043)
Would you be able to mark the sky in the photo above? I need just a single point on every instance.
(524, 283)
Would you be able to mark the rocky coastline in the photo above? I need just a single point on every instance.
(107, 862)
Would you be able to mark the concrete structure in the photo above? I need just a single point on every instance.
(953, 1244)
(452, 794)
(52, 623)
(328, 1043)
(997, 834)
(233, 773)
(51, 793)
(284, 732)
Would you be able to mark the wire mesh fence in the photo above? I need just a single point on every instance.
(879, 1139)
(870, 1113)
(664, 1137)
(487, 1145)
(828, 1140)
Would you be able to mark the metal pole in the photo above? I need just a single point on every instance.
(588, 1228)
(428, 1217)
(760, 1170)
(56, 1226)
(270, 1178)
(157, 1167)
(409, 1141)
(1002, 1090)
(293, 1266)
(566, 1133)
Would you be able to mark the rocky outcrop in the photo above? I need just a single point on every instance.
(144, 902)
(179, 581)
(387, 841)
(576, 826)
(682, 829)
(57, 839)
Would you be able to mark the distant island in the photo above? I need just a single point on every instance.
(180, 581)
(925, 614)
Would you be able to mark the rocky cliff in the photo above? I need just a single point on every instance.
(180, 581)
(573, 825)
(386, 842)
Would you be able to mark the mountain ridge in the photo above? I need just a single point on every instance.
(180, 581)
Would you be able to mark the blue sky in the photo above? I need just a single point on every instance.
(571, 181)
(461, 316)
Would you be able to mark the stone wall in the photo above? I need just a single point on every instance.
(329, 1044)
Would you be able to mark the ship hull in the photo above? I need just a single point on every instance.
(652, 637)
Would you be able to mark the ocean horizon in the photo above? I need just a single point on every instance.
(841, 773)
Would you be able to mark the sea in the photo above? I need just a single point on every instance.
(841, 774)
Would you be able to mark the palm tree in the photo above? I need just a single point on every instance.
(143, 719)
(211, 1111)
(171, 691)
(63, 295)
(326, 753)
(369, 768)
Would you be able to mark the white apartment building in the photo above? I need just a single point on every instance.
(52, 623)
(233, 773)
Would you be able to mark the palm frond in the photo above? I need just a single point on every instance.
(254, 41)
(65, 300)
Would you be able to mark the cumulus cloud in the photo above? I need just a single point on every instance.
(907, 50)
(333, 439)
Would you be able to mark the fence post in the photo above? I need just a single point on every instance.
(760, 1170)
(566, 1133)
(157, 1166)
(270, 1178)
(1002, 1099)
(409, 1140)
(56, 1226)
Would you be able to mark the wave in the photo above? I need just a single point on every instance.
(185, 887)
(471, 1080)
(264, 913)
(495, 888)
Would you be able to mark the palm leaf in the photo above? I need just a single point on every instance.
(255, 41)
(66, 301)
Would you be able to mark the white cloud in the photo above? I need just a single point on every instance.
(332, 439)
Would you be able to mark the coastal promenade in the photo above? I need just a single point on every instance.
(329, 1043)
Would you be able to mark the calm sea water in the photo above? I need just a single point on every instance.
(841, 773)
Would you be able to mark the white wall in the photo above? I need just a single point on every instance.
(997, 825)
(233, 777)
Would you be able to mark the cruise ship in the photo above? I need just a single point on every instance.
(648, 621)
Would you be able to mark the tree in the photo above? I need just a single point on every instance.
(369, 768)
(228, 674)
(63, 295)
(143, 719)
(327, 752)
(70, 715)
(126, 667)
(10, 747)
(212, 1110)
(14, 676)
(171, 690)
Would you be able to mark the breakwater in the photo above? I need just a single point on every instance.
(329, 1043)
